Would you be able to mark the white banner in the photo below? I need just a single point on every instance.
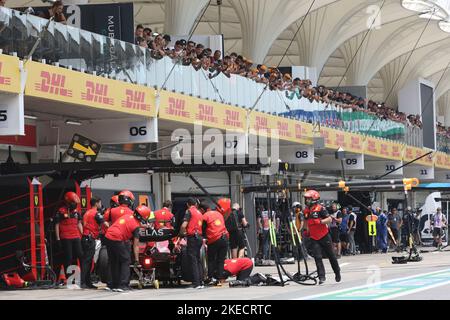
(12, 121)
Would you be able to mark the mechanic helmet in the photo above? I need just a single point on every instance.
(295, 204)
(224, 206)
(142, 213)
(126, 197)
(114, 202)
(311, 197)
(72, 200)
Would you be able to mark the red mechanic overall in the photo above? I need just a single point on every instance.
(192, 228)
(68, 229)
(317, 219)
(239, 267)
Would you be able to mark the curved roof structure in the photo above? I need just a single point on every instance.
(334, 36)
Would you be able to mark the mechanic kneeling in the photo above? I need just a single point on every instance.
(92, 224)
(164, 218)
(240, 267)
(217, 239)
(118, 239)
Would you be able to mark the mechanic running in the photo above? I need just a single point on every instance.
(317, 219)
(118, 238)
(68, 229)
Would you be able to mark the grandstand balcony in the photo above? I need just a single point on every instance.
(76, 49)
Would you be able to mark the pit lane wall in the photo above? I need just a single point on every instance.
(71, 88)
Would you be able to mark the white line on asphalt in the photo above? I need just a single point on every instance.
(407, 293)
(344, 264)
(366, 286)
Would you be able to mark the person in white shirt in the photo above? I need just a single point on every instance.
(438, 222)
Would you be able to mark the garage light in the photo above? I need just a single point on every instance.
(30, 117)
(73, 122)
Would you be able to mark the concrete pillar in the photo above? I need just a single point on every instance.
(180, 15)
(262, 21)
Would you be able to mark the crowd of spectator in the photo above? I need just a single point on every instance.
(199, 57)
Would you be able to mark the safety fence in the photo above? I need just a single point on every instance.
(97, 54)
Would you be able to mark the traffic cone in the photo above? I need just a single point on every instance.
(62, 276)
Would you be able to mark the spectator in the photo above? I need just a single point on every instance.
(141, 42)
(55, 11)
(166, 42)
(351, 230)
(2, 3)
(139, 32)
(394, 223)
(148, 36)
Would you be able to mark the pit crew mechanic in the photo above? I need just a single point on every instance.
(317, 220)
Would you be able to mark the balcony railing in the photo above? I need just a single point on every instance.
(93, 53)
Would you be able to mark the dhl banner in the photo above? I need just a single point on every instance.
(182, 108)
(412, 153)
(55, 83)
(442, 160)
(287, 129)
(335, 139)
(9, 74)
(383, 149)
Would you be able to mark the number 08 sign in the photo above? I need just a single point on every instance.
(297, 154)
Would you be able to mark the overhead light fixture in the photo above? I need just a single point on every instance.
(30, 117)
(73, 122)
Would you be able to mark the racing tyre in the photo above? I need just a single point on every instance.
(102, 266)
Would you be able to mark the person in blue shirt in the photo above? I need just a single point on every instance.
(382, 231)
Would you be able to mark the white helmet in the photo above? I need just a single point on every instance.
(295, 204)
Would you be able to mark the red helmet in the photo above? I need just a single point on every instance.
(224, 206)
(72, 199)
(126, 197)
(114, 202)
(313, 194)
(142, 213)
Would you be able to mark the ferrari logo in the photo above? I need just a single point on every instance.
(199, 222)
(286, 166)
(122, 211)
(217, 222)
(122, 221)
(36, 200)
(83, 202)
